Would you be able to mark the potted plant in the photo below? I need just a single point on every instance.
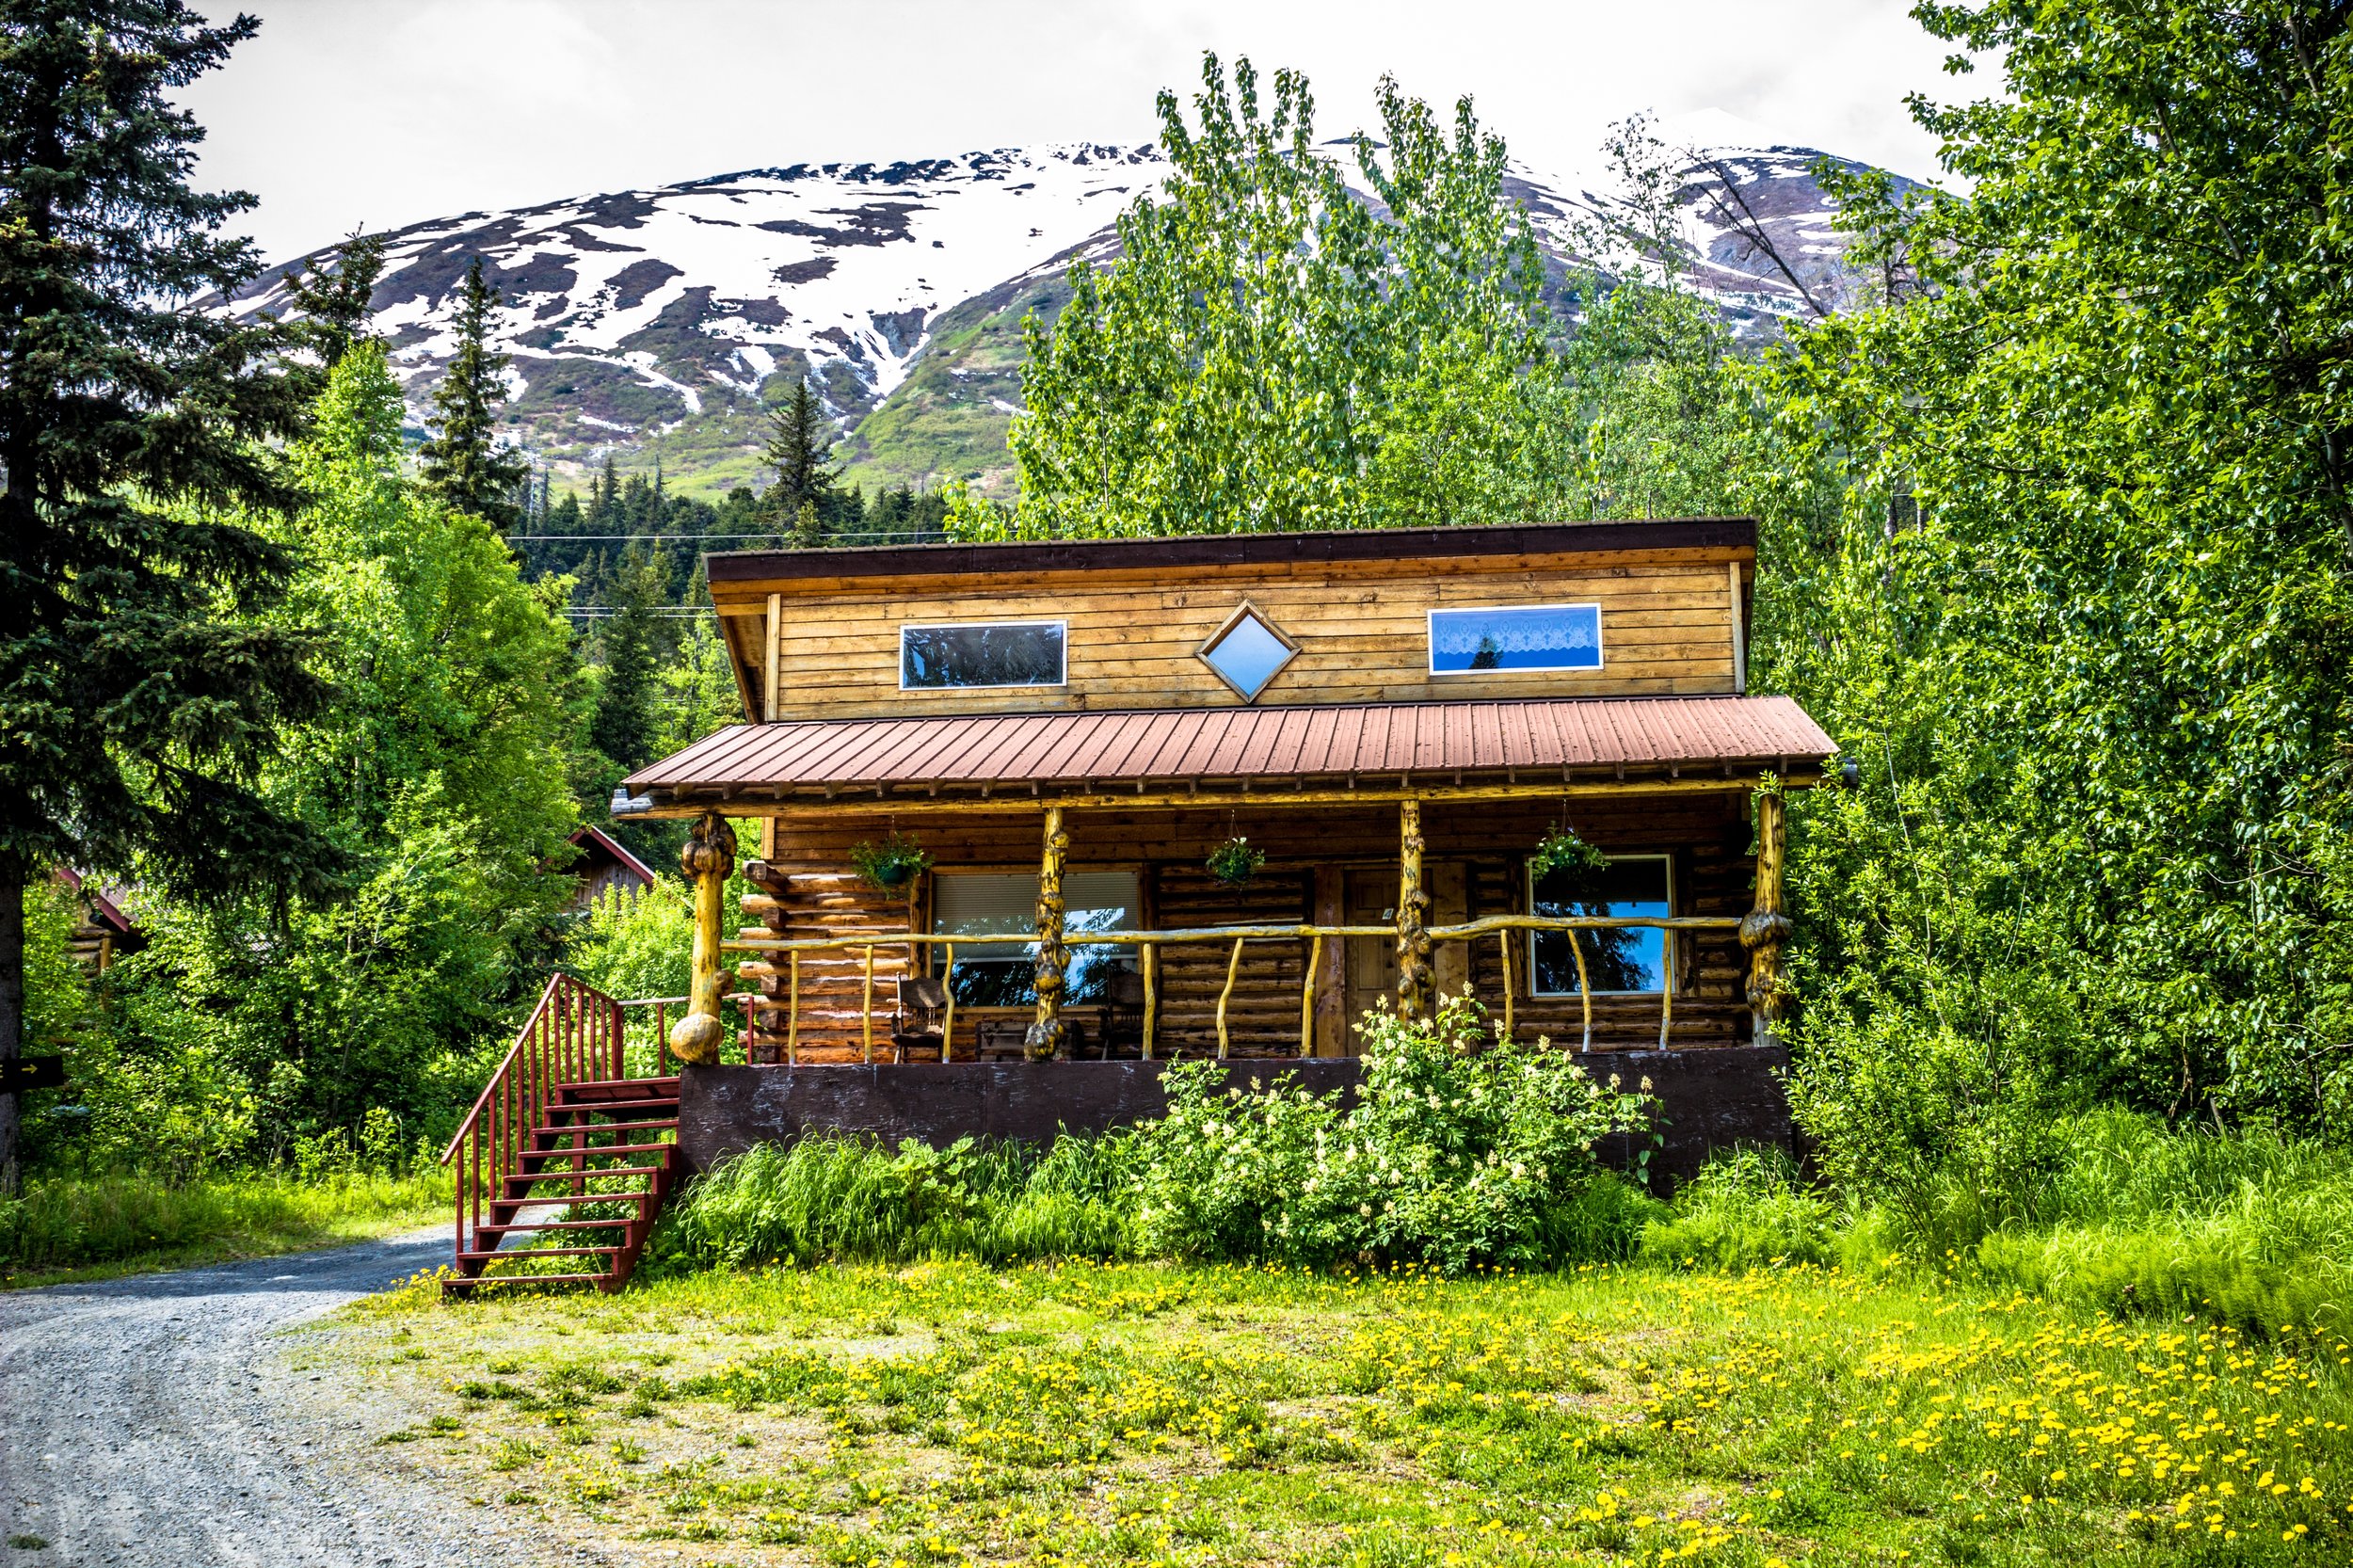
(1561, 850)
(1234, 862)
(890, 865)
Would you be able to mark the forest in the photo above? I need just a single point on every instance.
(2055, 534)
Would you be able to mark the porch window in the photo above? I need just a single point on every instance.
(1515, 637)
(1002, 974)
(1630, 960)
(983, 653)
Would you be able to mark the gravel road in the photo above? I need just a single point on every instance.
(157, 1421)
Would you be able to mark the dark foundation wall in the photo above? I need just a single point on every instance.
(1474, 854)
(1709, 1099)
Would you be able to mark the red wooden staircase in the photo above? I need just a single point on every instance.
(563, 1159)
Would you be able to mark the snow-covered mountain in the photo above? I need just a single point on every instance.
(646, 324)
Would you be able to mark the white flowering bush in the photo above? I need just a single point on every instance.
(1458, 1149)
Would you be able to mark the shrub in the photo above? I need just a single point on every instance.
(1457, 1150)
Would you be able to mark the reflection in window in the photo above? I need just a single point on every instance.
(1524, 637)
(1004, 974)
(1248, 654)
(981, 653)
(1624, 960)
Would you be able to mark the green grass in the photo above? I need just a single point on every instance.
(81, 1227)
(950, 1413)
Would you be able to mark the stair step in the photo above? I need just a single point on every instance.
(538, 1251)
(564, 1151)
(567, 1129)
(531, 1176)
(504, 1225)
(617, 1088)
(528, 1279)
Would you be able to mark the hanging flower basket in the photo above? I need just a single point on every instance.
(1234, 862)
(1561, 850)
(890, 865)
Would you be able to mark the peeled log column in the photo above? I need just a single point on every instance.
(1049, 1035)
(709, 856)
(1765, 928)
(1417, 973)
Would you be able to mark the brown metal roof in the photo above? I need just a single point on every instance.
(1230, 549)
(1336, 742)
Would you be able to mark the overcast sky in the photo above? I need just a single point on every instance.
(385, 112)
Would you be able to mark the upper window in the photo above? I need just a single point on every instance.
(1515, 637)
(1631, 958)
(1004, 974)
(981, 653)
(1246, 652)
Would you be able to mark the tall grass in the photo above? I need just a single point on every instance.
(80, 1221)
(2249, 1229)
(846, 1198)
(2132, 1217)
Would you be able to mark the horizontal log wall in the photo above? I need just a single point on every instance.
(1474, 852)
(1362, 630)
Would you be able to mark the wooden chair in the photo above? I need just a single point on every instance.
(918, 1027)
(1120, 1028)
(1001, 1039)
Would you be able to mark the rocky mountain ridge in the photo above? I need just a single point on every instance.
(654, 325)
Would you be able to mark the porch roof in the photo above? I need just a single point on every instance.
(1539, 744)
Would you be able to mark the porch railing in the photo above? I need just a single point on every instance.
(1148, 944)
(573, 1036)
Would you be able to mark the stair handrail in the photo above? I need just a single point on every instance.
(574, 1035)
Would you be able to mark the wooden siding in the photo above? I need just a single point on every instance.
(1668, 629)
(1474, 851)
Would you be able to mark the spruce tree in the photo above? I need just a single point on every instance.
(333, 304)
(623, 725)
(140, 694)
(798, 441)
(463, 462)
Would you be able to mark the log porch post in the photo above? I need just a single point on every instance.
(1417, 975)
(707, 860)
(1765, 928)
(1049, 1035)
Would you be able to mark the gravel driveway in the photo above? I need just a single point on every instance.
(153, 1421)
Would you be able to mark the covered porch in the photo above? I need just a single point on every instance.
(1067, 911)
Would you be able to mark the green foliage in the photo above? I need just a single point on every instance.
(439, 774)
(843, 1198)
(80, 1221)
(1561, 850)
(463, 462)
(799, 437)
(890, 864)
(626, 721)
(1267, 353)
(1235, 862)
(2084, 613)
(1748, 1208)
(1457, 1150)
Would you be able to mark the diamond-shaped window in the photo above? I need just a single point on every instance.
(1247, 652)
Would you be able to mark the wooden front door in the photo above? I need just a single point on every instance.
(1371, 960)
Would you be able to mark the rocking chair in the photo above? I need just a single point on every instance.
(917, 1029)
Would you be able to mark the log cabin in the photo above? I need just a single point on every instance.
(1034, 818)
(1391, 721)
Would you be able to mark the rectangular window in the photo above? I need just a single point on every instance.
(981, 653)
(1629, 960)
(1515, 637)
(1002, 974)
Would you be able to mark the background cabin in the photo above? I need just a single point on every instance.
(605, 866)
